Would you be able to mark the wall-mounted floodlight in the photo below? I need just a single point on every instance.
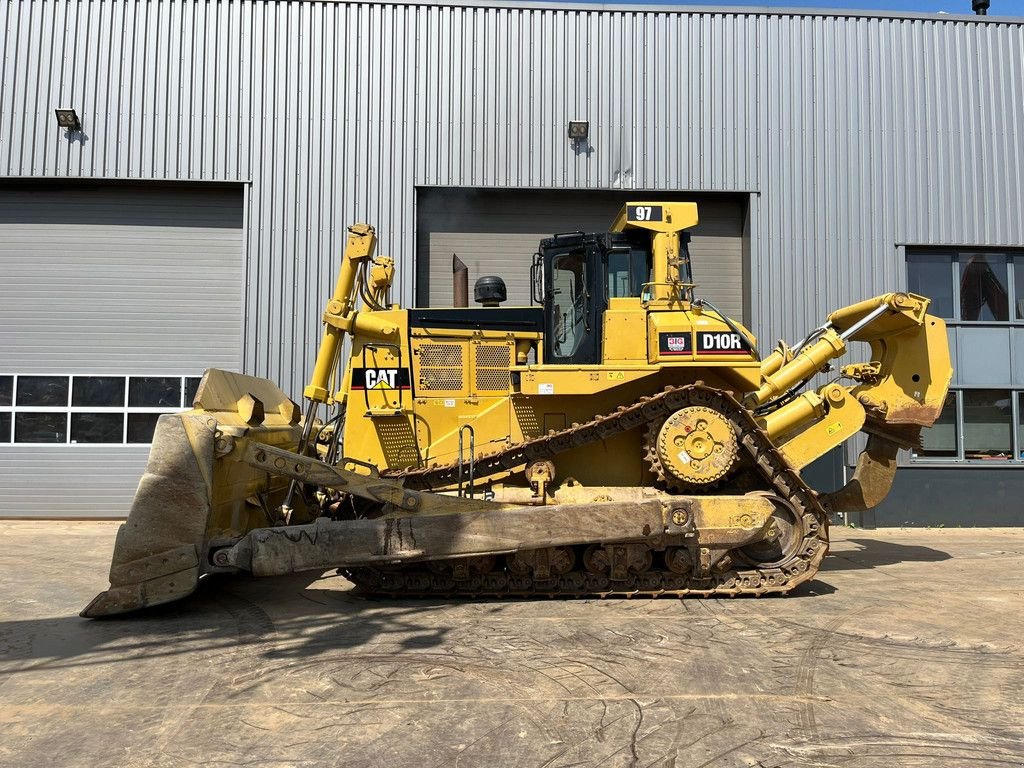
(579, 130)
(68, 119)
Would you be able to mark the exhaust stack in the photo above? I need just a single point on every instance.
(460, 283)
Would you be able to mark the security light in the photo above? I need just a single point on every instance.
(579, 130)
(68, 119)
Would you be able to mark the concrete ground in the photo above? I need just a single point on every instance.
(908, 650)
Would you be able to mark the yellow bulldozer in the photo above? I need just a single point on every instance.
(621, 436)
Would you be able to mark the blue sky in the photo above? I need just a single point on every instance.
(997, 7)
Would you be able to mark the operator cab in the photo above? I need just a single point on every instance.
(574, 276)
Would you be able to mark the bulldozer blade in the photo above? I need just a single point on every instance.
(156, 555)
(192, 492)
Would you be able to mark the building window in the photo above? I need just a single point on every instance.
(1020, 425)
(988, 433)
(983, 287)
(980, 294)
(941, 440)
(931, 275)
(976, 426)
(969, 286)
(88, 410)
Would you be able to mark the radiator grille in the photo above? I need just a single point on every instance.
(441, 356)
(491, 379)
(493, 357)
(492, 362)
(440, 367)
(441, 378)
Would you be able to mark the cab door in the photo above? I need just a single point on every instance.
(573, 300)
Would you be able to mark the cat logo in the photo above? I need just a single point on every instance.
(380, 378)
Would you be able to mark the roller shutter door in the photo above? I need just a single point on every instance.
(116, 297)
(497, 231)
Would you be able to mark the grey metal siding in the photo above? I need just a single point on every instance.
(497, 232)
(69, 480)
(858, 133)
(128, 279)
(111, 279)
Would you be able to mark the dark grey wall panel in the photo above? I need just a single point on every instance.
(939, 496)
(497, 232)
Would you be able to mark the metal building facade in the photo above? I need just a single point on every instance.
(854, 136)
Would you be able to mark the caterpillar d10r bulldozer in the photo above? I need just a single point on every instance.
(624, 437)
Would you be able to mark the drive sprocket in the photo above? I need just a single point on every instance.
(693, 448)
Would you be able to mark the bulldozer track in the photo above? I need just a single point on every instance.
(739, 576)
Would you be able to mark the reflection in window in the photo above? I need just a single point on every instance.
(97, 427)
(6, 390)
(40, 427)
(97, 392)
(627, 272)
(983, 294)
(570, 303)
(618, 274)
(987, 429)
(1020, 425)
(191, 387)
(939, 440)
(43, 391)
(141, 427)
(931, 275)
(5, 427)
(154, 391)
(1018, 279)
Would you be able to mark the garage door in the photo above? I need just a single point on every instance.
(496, 232)
(115, 299)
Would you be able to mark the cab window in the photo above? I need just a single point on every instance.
(628, 270)
(569, 302)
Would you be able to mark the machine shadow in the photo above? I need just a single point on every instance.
(284, 618)
(871, 553)
(225, 613)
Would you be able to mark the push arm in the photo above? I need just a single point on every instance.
(358, 249)
(902, 388)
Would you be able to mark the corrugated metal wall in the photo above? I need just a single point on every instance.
(856, 133)
(130, 279)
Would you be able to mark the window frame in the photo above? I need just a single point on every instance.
(67, 409)
(1016, 436)
(1014, 259)
(1013, 256)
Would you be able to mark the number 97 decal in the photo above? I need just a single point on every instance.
(643, 213)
